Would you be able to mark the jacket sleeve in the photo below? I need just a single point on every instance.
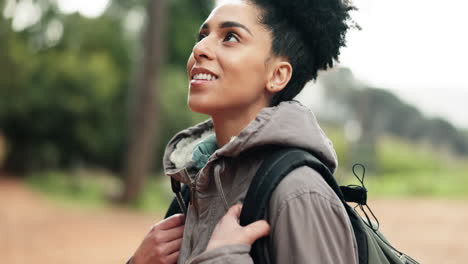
(309, 223)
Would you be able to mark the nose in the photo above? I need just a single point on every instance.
(203, 49)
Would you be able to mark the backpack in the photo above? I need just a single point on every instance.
(373, 248)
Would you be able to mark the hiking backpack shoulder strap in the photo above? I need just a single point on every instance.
(175, 206)
(273, 169)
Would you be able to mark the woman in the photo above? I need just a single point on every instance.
(251, 58)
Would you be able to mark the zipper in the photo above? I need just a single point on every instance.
(194, 204)
(192, 240)
(193, 196)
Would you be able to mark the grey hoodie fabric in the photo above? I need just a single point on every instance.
(308, 223)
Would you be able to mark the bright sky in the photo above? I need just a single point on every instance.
(87, 8)
(416, 48)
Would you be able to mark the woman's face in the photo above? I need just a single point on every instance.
(228, 67)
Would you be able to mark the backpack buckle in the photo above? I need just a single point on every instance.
(355, 194)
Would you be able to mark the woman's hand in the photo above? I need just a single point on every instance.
(162, 243)
(229, 232)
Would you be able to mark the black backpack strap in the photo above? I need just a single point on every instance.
(273, 169)
(174, 207)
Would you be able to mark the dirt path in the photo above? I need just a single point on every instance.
(432, 231)
(35, 230)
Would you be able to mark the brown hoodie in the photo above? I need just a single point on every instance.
(307, 220)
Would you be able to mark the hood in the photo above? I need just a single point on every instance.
(288, 124)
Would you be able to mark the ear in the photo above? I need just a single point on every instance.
(281, 72)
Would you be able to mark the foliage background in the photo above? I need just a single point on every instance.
(66, 87)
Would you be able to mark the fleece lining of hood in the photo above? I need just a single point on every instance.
(203, 150)
(182, 153)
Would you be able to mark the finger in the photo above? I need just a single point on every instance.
(171, 222)
(256, 230)
(174, 233)
(172, 258)
(173, 246)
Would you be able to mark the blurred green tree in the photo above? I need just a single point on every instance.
(380, 112)
(65, 82)
(62, 102)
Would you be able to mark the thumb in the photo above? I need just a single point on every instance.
(234, 211)
(256, 230)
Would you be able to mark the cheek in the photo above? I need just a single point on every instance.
(190, 62)
(248, 73)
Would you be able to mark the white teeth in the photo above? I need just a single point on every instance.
(204, 76)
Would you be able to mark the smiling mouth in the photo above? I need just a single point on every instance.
(204, 77)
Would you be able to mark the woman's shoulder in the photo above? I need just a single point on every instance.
(304, 210)
(303, 183)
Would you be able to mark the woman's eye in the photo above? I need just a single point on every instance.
(231, 37)
(199, 37)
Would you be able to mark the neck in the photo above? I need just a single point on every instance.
(227, 126)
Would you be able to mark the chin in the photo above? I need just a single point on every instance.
(201, 107)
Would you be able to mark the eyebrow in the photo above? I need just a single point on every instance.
(228, 24)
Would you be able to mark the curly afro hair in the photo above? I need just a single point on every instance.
(309, 33)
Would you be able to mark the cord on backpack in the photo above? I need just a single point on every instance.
(176, 188)
(358, 195)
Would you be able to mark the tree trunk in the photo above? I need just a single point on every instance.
(142, 121)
